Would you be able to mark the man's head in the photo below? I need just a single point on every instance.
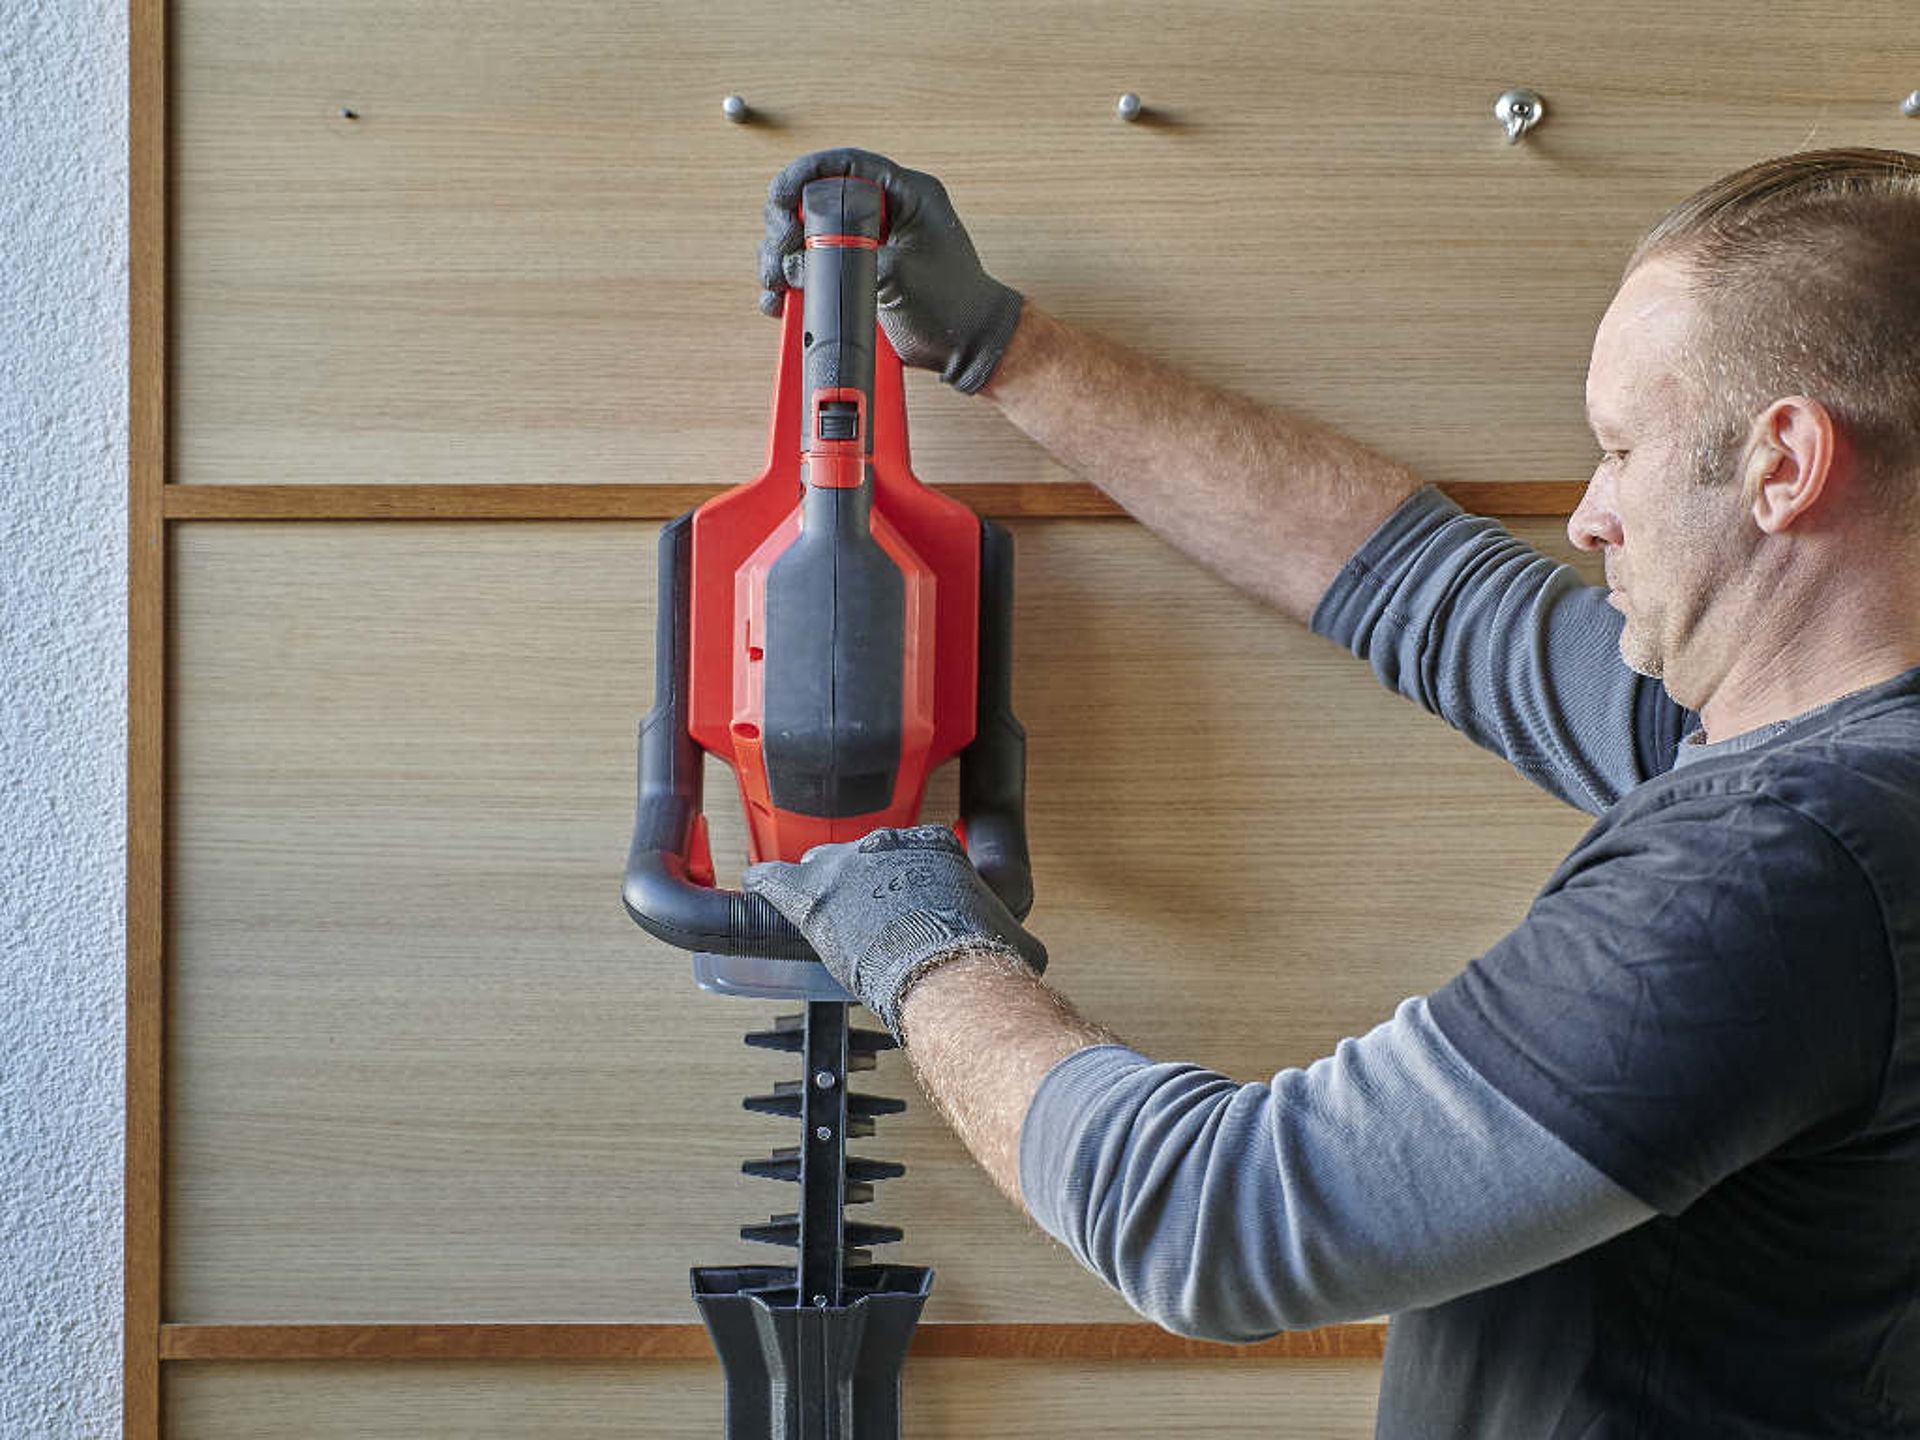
(1755, 389)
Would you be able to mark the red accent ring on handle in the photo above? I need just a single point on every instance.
(841, 242)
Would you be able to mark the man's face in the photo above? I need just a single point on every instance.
(1675, 546)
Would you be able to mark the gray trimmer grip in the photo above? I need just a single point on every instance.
(839, 305)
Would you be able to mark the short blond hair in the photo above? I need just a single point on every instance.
(1806, 269)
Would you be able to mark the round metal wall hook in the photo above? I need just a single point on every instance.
(735, 108)
(1129, 107)
(1910, 107)
(1519, 110)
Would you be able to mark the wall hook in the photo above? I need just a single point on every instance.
(1129, 107)
(736, 109)
(1519, 110)
(1910, 106)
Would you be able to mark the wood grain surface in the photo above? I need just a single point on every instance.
(146, 713)
(1068, 499)
(689, 1341)
(530, 257)
(396, 1057)
(426, 1069)
(941, 1400)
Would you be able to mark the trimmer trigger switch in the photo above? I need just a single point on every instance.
(839, 420)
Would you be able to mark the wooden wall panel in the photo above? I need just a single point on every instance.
(418, 1065)
(425, 1068)
(530, 257)
(942, 1400)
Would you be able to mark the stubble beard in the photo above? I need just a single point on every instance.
(1641, 652)
(1714, 450)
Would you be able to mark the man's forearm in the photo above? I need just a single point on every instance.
(981, 1032)
(1274, 503)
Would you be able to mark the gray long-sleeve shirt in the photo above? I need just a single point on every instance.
(1597, 1177)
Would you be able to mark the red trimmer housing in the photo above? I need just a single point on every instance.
(833, 630)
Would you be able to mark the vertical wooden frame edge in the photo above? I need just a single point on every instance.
(147, 220)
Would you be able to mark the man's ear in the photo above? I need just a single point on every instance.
(1789, 461)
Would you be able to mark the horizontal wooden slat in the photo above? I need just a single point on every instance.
(557, 502)
(663, 502)
(690, 1342)
(686, 1400)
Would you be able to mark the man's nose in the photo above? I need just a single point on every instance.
(1593, 523)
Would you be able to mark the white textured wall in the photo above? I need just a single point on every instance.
(63, 468)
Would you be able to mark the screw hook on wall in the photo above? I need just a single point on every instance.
(1519, 110)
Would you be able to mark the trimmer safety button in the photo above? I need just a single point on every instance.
(839, 420)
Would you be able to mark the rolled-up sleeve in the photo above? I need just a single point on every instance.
(1385, 1176)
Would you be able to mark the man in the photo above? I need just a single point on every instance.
(1651, 1165)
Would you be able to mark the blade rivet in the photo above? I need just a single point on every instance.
(824, 1079)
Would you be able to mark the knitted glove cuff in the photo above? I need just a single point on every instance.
(973, 362)
(911, 945)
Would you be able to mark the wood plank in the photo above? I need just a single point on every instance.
(557, 502)
(146, 710)
(531, 253)
(684, 1400)
(203, 1343)
(663, 502)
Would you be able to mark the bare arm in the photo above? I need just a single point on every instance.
(1273, 503)
(981, 1032)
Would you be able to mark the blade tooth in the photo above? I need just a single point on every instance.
(772, 1169)
(776, 1104)
(788, 1040)
(861, 1234)
(869, 1170)
(779, 1230)
(874, 1105)
(868, 1042)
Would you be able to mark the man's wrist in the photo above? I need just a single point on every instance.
(1026, 351)
(961, 962)
(890, 1007)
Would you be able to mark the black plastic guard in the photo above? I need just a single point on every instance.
(797, 1371)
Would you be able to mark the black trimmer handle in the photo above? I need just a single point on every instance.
(993, 769)
(658, 893)
(842, 217)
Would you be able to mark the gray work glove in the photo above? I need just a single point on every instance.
(882, 911)
(940, 309)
